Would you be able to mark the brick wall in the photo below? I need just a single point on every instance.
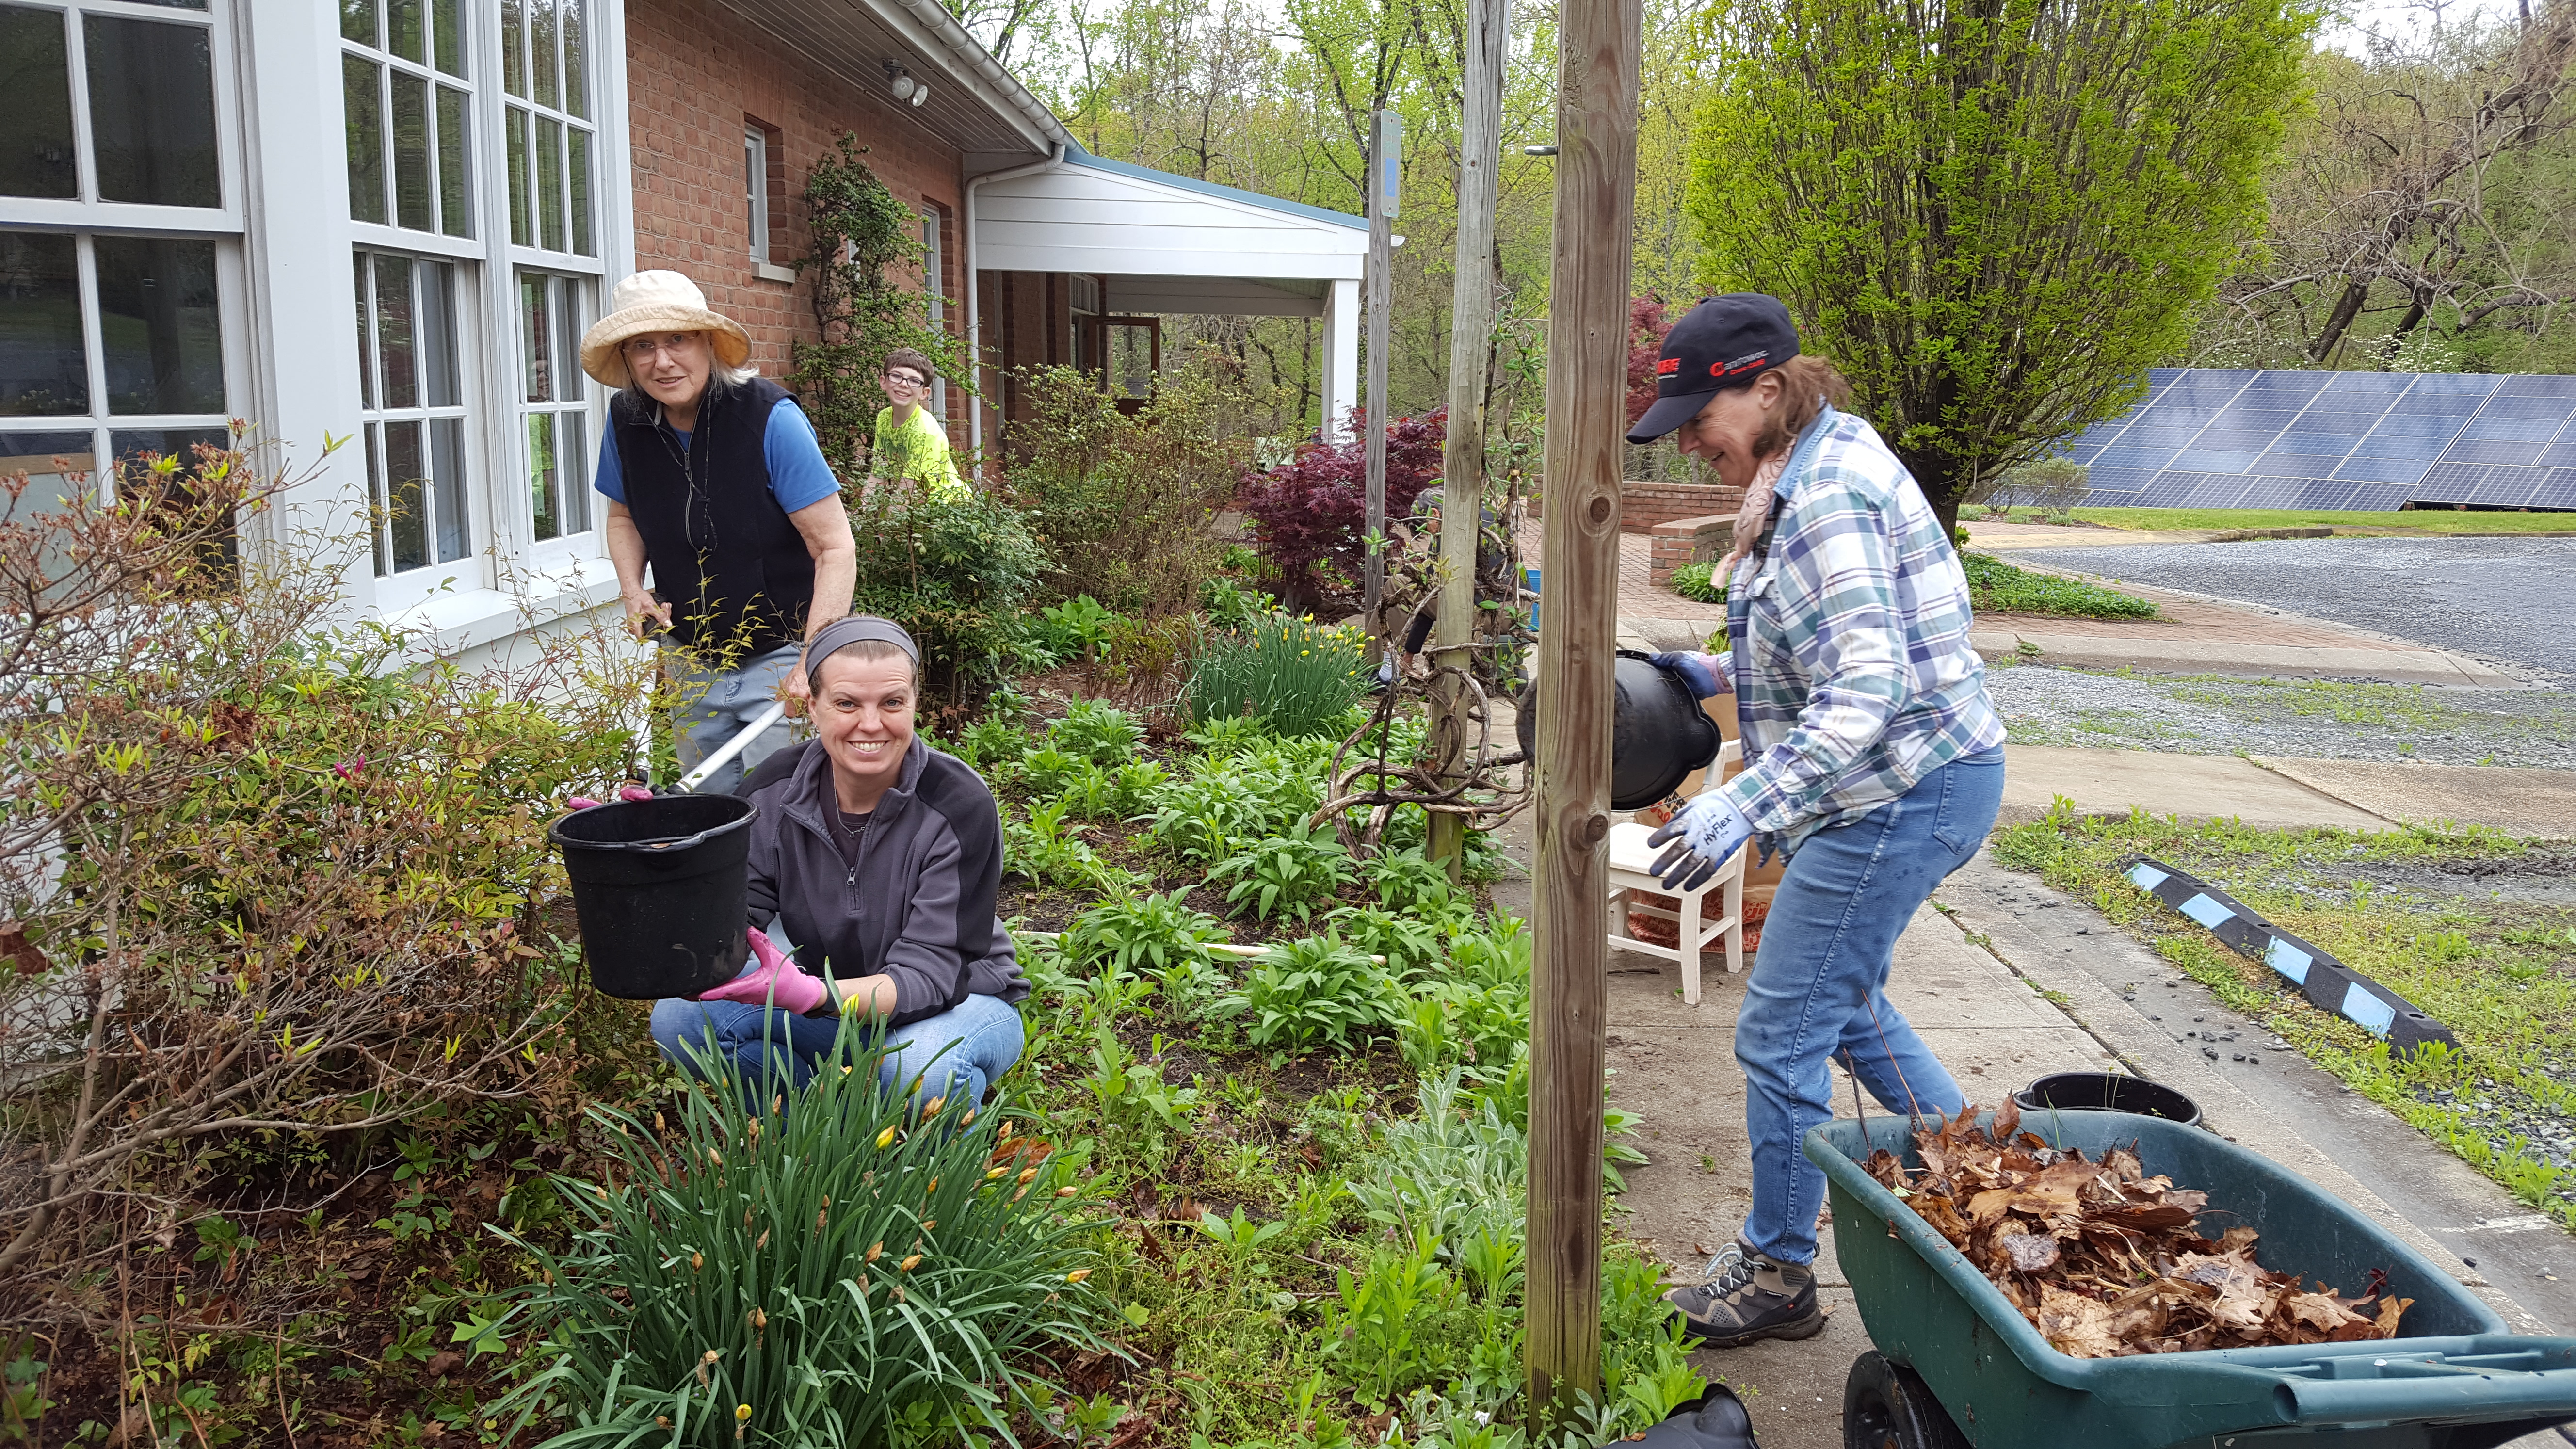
(1644, 505)
(1686, 540)
(695, 71)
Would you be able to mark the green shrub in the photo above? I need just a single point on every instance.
(1049, 770)
(1699, 581)
(1994, 584)
(1229, 605)
(1048, 851)
(1284, 875)
(1127, 503)
(992, 745)
(1405, 880)
(850, 1275)
(1097, 732)
(958, 572)
(1298, 677)
(1408, 943)
(1303, 994)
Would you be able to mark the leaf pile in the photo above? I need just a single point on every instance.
(2106, 1261)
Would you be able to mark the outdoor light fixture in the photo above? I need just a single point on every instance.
(904, 86)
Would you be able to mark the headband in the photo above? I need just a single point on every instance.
(851, 629)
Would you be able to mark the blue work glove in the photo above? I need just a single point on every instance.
(1693, 668)
(1703, 836)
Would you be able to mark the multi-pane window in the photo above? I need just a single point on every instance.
(755, 188)
(545, 123)
(413, 401)
(406, 106)
(934, 275)
(114, 347)
(105, 105)
(554, 406)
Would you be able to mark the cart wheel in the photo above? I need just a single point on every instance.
(1887, 1407)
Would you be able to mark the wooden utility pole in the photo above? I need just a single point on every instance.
(1385, 177)
(1471, 335)
(1587, 379)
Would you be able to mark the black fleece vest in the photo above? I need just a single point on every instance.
(725, 556)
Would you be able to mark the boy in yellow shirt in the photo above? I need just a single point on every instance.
(910, 443)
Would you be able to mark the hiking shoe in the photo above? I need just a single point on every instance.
(1746, 1297)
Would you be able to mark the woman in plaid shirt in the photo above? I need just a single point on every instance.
(1872, 757)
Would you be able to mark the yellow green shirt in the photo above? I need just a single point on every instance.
(916, 449)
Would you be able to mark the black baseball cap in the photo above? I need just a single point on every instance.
(1724, 342)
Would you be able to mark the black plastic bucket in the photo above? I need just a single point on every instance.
(661, 890)
(1658, 732)
(2108, 1092)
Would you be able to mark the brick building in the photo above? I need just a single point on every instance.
(391, 220)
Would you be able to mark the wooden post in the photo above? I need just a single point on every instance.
(1471, 335)
(1385, 175)
(1587, 378)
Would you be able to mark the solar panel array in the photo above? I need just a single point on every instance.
(2259, 438)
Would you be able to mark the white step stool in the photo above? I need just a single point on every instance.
(1630, 857)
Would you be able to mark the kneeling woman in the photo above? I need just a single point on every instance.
(879, 858)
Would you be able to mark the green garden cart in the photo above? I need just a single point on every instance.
(1957, 1365)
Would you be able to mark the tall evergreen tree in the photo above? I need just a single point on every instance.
(1993, 215)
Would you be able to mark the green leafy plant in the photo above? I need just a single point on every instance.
(1404, 880)
(1078, 628)
(1375, 1326)
(1297, 676)
(821, 1263)
(1199, 820)
(1131, 1095)
(1229, 605)
(22, 1396)
(1097, 732)
(1093, 793)
(1303, 994)
(1151, 933)
(1284, 875)
(957, 571)
(1048, 851)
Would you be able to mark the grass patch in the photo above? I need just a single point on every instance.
(2501, 974)
(1994, 585)
(2411, 520)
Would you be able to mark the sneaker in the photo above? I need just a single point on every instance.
(1748, 1296)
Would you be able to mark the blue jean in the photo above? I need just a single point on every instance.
(717, 705)
(961, 1051)
(1818, 989)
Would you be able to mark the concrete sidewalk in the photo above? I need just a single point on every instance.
(2284, 793)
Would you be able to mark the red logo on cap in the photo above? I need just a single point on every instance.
(1747, 363)
(1668, 366)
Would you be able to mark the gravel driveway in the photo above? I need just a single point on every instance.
(2503, 600)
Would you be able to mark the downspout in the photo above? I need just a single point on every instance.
(975, 296)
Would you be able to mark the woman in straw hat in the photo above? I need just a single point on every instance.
(714, 477)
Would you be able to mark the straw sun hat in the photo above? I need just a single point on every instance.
(657, 302)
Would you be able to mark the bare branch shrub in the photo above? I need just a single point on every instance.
(263, 871)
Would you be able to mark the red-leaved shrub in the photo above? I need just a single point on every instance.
(1646, 329)
(1310, 511)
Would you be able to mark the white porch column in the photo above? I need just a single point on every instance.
(1341, 357)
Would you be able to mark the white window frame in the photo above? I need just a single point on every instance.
(934, 275)
(504, 552)
(85, 216)
(473, 568)
(755, 188)
(575, 468)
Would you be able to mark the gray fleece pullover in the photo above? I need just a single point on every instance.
(919, 904)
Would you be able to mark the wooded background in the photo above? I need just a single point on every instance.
(2412, 198)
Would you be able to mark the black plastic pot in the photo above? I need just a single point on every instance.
(2108, 1092)
(1658, 732)
(661, 890)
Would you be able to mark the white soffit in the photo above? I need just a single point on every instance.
(1083, 218)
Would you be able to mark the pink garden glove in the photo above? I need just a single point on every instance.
(624, 792)
(795, 990)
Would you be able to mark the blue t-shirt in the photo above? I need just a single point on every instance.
(798, 476)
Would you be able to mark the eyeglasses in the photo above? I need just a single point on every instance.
(905, 379)
(639, 349)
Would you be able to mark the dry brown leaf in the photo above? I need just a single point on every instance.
(2030, 1252)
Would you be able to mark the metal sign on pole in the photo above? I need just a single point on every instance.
(1471, 332)
(1385, 177)
(1587, 377)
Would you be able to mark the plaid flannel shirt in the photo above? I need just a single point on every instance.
(1850, 663)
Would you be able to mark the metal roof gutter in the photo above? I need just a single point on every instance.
(934, 16)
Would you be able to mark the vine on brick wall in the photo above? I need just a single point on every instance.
(863, 237)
